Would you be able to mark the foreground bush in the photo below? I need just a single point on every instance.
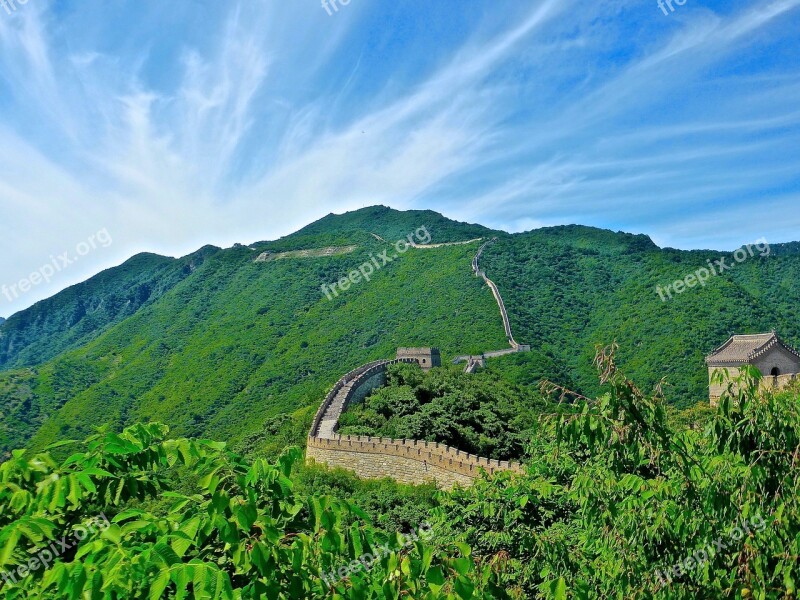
(93, 527)
(617, 504)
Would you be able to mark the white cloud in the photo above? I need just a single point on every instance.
(266, 124)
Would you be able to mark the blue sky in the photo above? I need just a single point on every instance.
(175, 124)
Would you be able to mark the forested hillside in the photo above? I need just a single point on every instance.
(615, 502)
(568, 289)
(244, 351)
(219, 345)
(81, 312)
(618, 488)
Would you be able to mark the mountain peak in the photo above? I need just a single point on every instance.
(391, 224)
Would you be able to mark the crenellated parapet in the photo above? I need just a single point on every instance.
(432, 453)
(407, 461)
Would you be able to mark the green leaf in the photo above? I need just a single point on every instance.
(159, 584)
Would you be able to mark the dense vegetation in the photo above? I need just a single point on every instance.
(568, 289)
(616, 503)
(85, 528)
(245, 351)
(391, 225)
(80, 313)
(478, 413)
(391, 506)
(218, 346)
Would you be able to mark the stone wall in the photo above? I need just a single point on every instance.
(366, 386)
(379, 466)
(361, 374)
(407, 461)
(767, 383)
(780, 382)
(716, 389)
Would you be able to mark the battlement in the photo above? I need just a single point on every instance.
(409, 461)
(433, 453)
(428, 358)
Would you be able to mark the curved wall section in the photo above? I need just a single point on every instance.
(407, 461)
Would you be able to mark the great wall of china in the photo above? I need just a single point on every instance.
(473, 361)
(406, 461)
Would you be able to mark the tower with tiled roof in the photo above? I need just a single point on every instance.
(778, 362)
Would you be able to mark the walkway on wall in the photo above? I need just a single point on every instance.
(429, 246)
(472, 362)
(326, 421)
(409, 461)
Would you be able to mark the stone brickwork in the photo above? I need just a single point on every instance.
(781, 382)
(407, 461)
(717, 389)
(428, 358)
(778, 363)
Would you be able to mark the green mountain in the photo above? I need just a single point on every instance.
(80, 313)
(246, 349)
(568, 289)
(225, 345)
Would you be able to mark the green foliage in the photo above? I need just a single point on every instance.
(477, 413)
(237, 345)
(615, 498)
(219, 346)
(242, 532)
(80, 313)
(392, 225)
(568, 289)
(391, 506)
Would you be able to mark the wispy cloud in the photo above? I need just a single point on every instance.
(214, 123)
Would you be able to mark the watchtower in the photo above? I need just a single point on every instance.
(427, 358)
(778, 362)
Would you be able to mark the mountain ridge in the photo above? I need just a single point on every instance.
(230, 348)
